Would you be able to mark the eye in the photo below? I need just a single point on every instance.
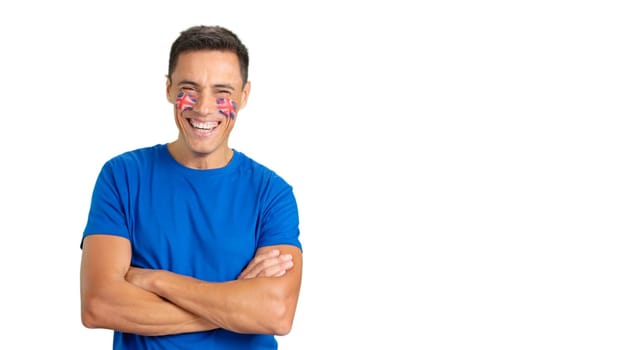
(189, 88)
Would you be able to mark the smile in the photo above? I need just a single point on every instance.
(204, 126)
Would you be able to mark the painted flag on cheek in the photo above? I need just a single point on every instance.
(226, 107)
(185, 101)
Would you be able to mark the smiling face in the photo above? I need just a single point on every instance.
(207, 93)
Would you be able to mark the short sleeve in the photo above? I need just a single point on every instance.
(280, 218)
(107, 210)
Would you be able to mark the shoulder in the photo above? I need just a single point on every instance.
(136, 157)
(260, 171)
(133, 162)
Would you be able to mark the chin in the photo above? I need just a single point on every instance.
(202, 149)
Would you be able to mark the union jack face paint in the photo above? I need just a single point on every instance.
(226, 107)
(185, 101)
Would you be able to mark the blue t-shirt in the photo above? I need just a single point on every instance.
(201, 223)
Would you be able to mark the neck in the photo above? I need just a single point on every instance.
(196, 160)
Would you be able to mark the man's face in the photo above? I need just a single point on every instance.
(206, 90)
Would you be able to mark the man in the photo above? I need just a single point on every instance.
(192, 244)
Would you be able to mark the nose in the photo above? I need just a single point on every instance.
(204, 105)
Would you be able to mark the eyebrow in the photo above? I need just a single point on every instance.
(215, 86)
(224, 86)
(187, 82)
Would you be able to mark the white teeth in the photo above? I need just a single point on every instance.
(203, 125)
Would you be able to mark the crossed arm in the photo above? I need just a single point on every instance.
(116, 296)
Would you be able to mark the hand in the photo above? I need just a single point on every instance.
(270, 263)
(140, 277)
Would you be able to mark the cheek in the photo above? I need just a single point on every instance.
(185, 102)
(226, 107)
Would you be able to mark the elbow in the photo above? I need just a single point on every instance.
(282, 329)
(87, 320)
(91, 311)
(283, 311)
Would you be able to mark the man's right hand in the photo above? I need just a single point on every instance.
(268, 262)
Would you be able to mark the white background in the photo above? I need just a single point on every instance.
(457, 163)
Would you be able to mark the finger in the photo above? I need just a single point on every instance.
(256, 267)
(258, 259)
(259, 262)
(267, 267)
(276, 268)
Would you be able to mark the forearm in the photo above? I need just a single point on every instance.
(124, 307)
(260, 305)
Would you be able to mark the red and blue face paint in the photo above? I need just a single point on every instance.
(226, 107)
(185, 101)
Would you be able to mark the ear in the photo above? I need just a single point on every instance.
(169, 97)
(246, 90)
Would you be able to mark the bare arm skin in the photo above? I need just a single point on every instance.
(110, 301)
(251, 304)
(267, 263)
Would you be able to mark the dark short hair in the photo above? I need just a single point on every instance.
(209, 38)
